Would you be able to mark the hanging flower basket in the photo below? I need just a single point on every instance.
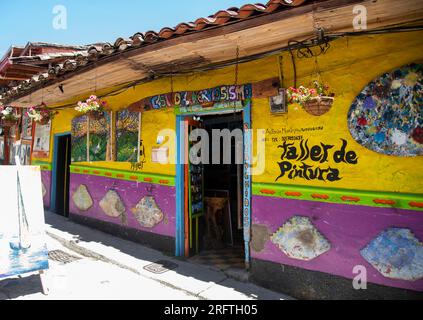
(92, 107)
(41, 114)
(8, 117)
(318, 106)
(95, 114)
(315, 101)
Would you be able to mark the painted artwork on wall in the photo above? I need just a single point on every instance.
(99, 138)
(22, 244)
(26, 126)
(42, 140)
(79, 139)
(396, 253)
(127, 136)
(387, 115)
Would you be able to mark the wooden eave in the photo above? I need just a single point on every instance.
(253, 36)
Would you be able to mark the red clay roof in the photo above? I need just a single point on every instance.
(98, 51)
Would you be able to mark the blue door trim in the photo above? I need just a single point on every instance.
(180, 230)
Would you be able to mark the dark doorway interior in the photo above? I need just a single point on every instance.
(223, 181)
(63, 160)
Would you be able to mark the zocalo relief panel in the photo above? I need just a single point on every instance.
(299, 239)
(113, 206)
(82, 198)
(396, 253)
(147, 212)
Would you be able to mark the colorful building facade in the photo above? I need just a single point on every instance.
(324, 199)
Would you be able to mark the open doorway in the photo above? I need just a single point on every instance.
(61, 175)
(215, 195)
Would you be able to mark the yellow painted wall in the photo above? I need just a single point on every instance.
(349, 65)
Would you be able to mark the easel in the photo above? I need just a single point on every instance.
(42, 273)
(24, 241)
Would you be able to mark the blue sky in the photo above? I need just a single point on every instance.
(90, 21)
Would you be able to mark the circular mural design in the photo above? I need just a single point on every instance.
(387, 115)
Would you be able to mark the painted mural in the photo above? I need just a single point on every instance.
(99, 141)
(127, 136)
(79, 139)
(387, 115)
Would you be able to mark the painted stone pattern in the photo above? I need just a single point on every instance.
(348, 228)
(112, 205)
(299, 239)
(387, 116)
(148, 212)
(130, 193)
(396, 253)
(82, 198)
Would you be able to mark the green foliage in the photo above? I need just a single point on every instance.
(127, 145)
(79, 149)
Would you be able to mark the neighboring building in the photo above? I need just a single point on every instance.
(23, 66)
(340, 193)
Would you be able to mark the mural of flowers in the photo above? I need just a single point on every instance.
(387, 115)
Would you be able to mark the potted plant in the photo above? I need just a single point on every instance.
(93, 107)
(316, 101)
(8, 116)
(40, 114)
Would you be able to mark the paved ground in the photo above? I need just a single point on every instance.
(112, 268)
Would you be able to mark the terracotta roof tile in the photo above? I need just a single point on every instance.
(97, 51)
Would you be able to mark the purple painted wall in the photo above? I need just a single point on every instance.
(348, 228)
(46, 179)
(130, 193)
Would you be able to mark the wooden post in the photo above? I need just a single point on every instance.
(6, 146)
